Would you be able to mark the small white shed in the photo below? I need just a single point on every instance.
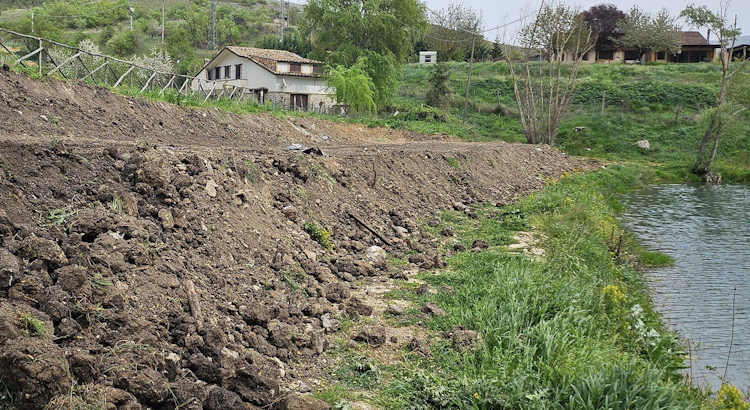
(427, 57)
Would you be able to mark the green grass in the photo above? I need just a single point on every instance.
(574, 330)
(663, 103)
(33, 325)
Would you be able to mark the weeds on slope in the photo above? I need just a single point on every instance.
(574, 329)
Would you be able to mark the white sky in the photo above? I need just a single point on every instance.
(498, 12)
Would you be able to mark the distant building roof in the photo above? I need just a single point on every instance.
(693, 38)
(268, 54)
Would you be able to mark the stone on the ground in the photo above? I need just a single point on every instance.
(644, 144)
(211, 188)
(297, 401)
(372, 335)
(167, 219)
(433, 309)
(357, 307)
(376, 255)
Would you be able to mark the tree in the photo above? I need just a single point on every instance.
(643, 32)
(382, 31)
(451, 31)
(497, 50)
(353, 86)
(439, 92)
(702, 17)
(603, 21)
(544, 90)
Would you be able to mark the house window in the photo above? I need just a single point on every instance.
(660, 55)
(606, 55)
(316, 69)
(295, 67)
(428, 58)
(217, 73)
(238, 71)
(210, 74)
(632, 55)
(227, 74)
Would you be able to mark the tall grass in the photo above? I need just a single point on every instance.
(575, 330)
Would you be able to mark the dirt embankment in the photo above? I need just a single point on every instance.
(156, 257)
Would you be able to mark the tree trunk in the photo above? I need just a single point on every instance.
(702, 164)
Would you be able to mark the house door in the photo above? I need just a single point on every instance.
(299, 102)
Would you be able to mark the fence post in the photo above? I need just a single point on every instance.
(604, 97)
(41, 48)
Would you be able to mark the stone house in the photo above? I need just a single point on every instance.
(276, 76)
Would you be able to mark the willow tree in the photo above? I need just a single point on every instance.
(702, 17)
(544, 89)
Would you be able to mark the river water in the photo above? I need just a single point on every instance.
(706, 229)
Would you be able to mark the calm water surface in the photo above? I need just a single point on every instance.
(706, 229)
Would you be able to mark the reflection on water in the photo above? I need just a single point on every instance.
(707, 230)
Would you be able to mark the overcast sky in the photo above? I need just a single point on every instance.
(497, 12)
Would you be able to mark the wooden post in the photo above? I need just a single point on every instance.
(184, 84)
(168, 84)
(41, 48)
(210, 92)
(119, 80)
(31, 54)
(153, 74)
(468, 78)
(85, 68)
(604, 97)
(54, 63)
(91, 73)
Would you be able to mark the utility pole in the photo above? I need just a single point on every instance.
(32, 20)
(213, 24)
(468, 78)
(282, 22)
(131, 11)
(163, 8)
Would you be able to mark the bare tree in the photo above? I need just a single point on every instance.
(544, 90)
(702, 17)
(452, 29)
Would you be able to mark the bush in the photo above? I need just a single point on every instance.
(319, 234)
(439, 92)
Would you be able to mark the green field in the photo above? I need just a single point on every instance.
(664, 104)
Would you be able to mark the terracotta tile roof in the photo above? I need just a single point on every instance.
(269, 58)
(274, 55)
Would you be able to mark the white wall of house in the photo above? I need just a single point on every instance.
(254, 76)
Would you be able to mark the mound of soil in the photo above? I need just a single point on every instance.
(182, 272)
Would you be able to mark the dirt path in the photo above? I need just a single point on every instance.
(153, 256)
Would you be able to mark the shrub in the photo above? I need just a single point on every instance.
(730, 398)
(439, 92)
(319, 234)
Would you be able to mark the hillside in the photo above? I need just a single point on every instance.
(660, 103)
(162, 256)
(188, 34)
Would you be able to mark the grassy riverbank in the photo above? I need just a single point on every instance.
(574, 329)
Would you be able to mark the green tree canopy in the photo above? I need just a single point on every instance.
(354, 87)
(382, 31)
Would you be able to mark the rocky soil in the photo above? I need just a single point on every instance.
(153, 256)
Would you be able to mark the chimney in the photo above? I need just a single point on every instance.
(708, 36)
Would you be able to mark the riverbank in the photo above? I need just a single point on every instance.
(571, 326)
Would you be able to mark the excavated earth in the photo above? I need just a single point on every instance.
(154, 256)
